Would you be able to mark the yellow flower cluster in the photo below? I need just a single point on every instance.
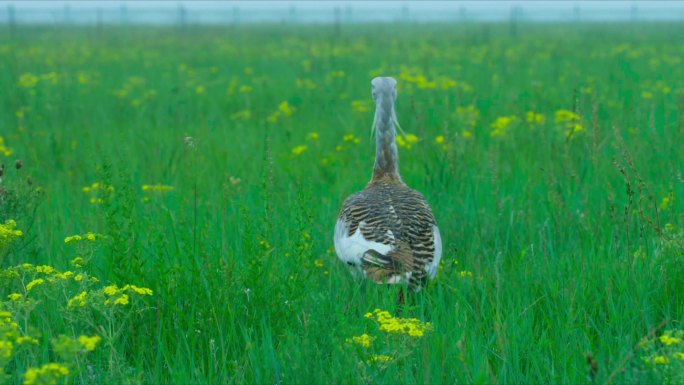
(34, 283)
(500, 125)
(670, 338)
(96, 191)
(123, 299)
(414, 76)
(379, 358)
(535, 118)
(241, 115)
(665, 351)
(46, 374)
(78, 300)
(363, 340)
(298, 150)
(89, 236)
(412, 327)
(568, 120)
(157, 187)
(97, 186)
(4, 150)
(89, 343)
(9, 233)
(284, 109)
(351, 138)
(306, 84)
(361, 106)
(467, 117)
(406, 141)
(9, 336)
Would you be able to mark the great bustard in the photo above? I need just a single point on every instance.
(387, 232)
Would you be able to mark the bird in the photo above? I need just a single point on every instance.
(387, 232)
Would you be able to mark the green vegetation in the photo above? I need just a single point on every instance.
(207, 165)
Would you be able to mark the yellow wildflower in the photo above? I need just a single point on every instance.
(123, 300)
(138, 290)
(34, 283)
(679, 355)
(362, 340)
(534, 118)
(241, 115)
(379, 358)
(89, 236)
(89, 343)
(45, 269)
(667, 339)
(79, 300)
(73, 238)
(28, 80)
(318, 263)
(360, 106)
(660, 360)
(21, 340)
(200, 90)
(286, 109)
(393, 325)
(563, 116)
(157, 187)
(246, 89)
(65, 275)
(500, 125)
(8, 232)
(77, 262)
(46, 374)
(6, 349)
(298, 150)
(14, 296)
(312, 136)
(306, 84)
(439, 139)
(665, 203)
(111, 290)
(4, 150)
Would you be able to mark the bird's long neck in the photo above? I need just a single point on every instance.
(386, 157)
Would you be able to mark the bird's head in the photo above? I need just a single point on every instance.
(384, 91)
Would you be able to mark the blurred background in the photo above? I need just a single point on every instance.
(237, 12)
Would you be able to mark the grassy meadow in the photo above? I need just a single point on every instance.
(172, 218)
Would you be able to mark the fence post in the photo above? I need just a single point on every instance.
(67, 14)
(98, 16)
(513, 30)
(11, 19)
(123, 14)
(462, 14)
(293, 15)
(634, 12)
(181, 15)
(338, 21)
(236, 15)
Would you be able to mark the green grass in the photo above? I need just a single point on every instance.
(565, 237)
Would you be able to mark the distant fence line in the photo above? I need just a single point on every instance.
(236, 15)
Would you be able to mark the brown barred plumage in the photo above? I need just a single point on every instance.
(387, 231)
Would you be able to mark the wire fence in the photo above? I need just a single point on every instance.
(124, 14)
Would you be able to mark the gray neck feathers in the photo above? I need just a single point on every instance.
(386, 157)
